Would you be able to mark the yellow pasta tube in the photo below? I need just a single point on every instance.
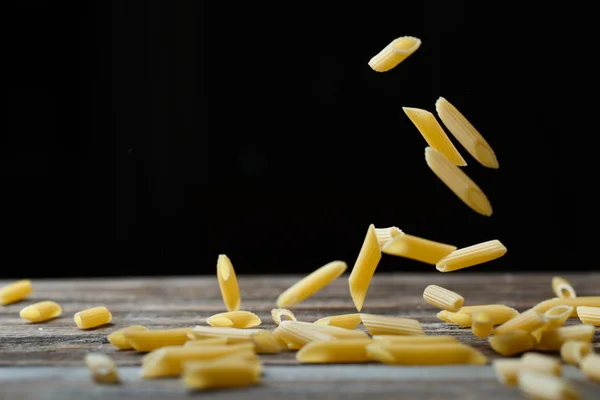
(397, 339)
(573, 351)
(384, 235)
(434, 135)
(527, 321)
(233, 335)
(335, 351)
(42, 311)
(347, 321)
(146, 341)
(590, 366)
(335, 331)
(266, 342)
(311, 284)
(298, 334)
(557, 316)
(417, 248)
(93, 317)
(443, 298)
(215, 341)
(364, 268)
(515, 342)
(540, 386)
(553, 339)
(286, 342)
(586, 301)
(466, 134)
(237, 319)
(589, 315)
(472, 255)
(499, 312)
(230, 291)
(102, 367)
(15, 291)
(444, 316)
(386, 325)
(482, 324)
(541, 363)
(562, 288)
(462, 319)
(227, 373)
(394, 53)
(119, 340)
(507, 370)
(278, 313)
(425, 354)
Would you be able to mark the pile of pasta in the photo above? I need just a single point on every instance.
(226, 351)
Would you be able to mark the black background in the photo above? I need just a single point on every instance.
(148, 137)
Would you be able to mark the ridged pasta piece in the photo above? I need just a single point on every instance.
(42, 311)
(507, 370)
(585, 301)
(119, 340)
(266, 342)
(102, 367)
(285, 341)
(386, 325)
(146, 341)
(553, 339)
(527, 321)
(298, 334)
(15, 291)
(590, 366)
(278, 313)
(233, 335)
(499, 312)
(462, 319)
(434, 135)
(397, 339)
(394, 53)
(214, 341)
(230, 291)
(443, 298)
(541, 363)
(444, 316)
(237, 319)
(573, 351)
(364, 268)
(92, 317)
(589, 315)
(472, 255)
(540, 386)
(425, 354)
(335, 351)
(557, 316)
(562, 288)
(335, 331)
(466, 134)
(458, 182)
(510, 344)
(346, 321)
(228, 372)
(384, 235)
(482, 324)
(416, 248)
(311, 284)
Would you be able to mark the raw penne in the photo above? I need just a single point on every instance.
(311, 284)
(335, 331)
(335, 351)
(394, 53)
(462, 319)
(499, 312)
(573, 351)
(397, 339)
(557, 316)
(425, 354)
(384, 235)
(444, 316)
(298, 334)
(233, 335)
(146, 341)
(347, 321)
(541, 363)
(417, 248)
(386, 325)
(364, 268)
(15, 291)
(214, 341)
(237, 319)
(589, 315)
(510, 344)
(458, 182)
(230, 291)
(586, 301)
(553, 339)
(482, 324)
(266, 342)
(286, 342)
(119, 340)
(102, 367)
(228, 372)
(278, 313)
(540, 386)
(92, 317)
(527, 321)
(537, 334)
(466, 134)
(40, 312)
(472, 255)
(562, 288)
(434, 135)
(590, 366)
(443, 298)
(507, 370)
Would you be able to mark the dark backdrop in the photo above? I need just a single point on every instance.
(148, 137)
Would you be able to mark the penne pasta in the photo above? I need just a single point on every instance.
(472, 255)
(42, 311)
(541, 363)
(119, 340)
(394, 53)
(540, 386)
(225, 373)
(512, 343)
(92, 318)
(102, 367)
(562, 288)
(278, 313)
(507, 370)
(498, 312)
(235, 319)
(425, 354)
(286, 343)
(146, 340)
(442, 298)
(297, 335)
(589, 315)
(462, 319)
(387, 325)
(228, 283)
(482, 324)
(527, 321)
(466, 134)
(364, 268)
(311, 284)
(444, 316)
(233, 335)
(335, 351)
(335, 331)
(557, 316)
(573, 351)
(347, 321)
(553, 339)
(586, 301)
(15, 291)
(214, 341)
(416, 248)
(384, 235)
(266, 342)
(590, 366)
(397, 339)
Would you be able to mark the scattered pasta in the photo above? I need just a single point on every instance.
(541, 363)
(443, 298)
(540, 386)
(462, 319)
(229, 372)
(214, 341)
(416, 248)
(42, 311)
(398, 339)
(587, 301)
(119, 340)
(233, 335)
(589, 315)
(590, 366)
(425, 354)
(278, 313)
(335, 351)
(562, 288)
(347, 321)
(573, 351)
(527, 321)
(146, 340)
(394, 53)
(15, 291)
(473, 255)
(482, 324)
(93, 317)
(234, 319)
(557, 316)
(553, 339)
(507, 370)
(386, 325)
(335, 331)
(297, 335)
(266, 342)
(102, 367)
(499, 312)
(510, 344)
(384, 235)
(444, 316)
(364, 268)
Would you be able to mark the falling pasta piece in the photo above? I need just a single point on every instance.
(229, 373)
(40, 312)
(335, 351)
(299, 335)
(434, 135)
(394, 53)
(335, 331)
(482, 324)
(458, 182)
(425, 354)
(311, 284)
(228, 283)
(472, 255)
(589, 315)
(562, 288)
(233, 335)
(586, 301)
(15, 291)
(214, 341)
(557, 316)
(145, 341)
(364, 268)
(417, 248)
(590, 366)
(444, 316)
(553, 339)
(541, 363)
(499, 312)
(93, 317)
(397, 339)
(278, 313)
(510, 344)
(119, 340)
(384, 235)
(573, 351)
(507, 371)
(346, 321)
(103, 368)
(527, 321)
(540, 386)
(266, 342)
(386, 325)
(237, 319)
(466, 133)
(442, 298)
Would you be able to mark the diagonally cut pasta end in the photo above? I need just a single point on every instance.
(479, 202)
(224, 267)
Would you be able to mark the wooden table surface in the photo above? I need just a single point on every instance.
(45, 361)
